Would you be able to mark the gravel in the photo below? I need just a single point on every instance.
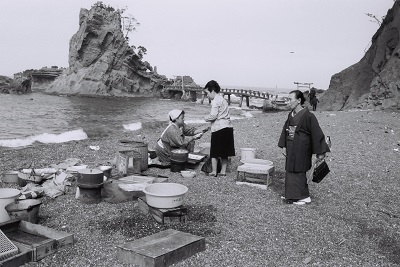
(353, 219)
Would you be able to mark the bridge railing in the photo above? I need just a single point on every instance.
(242, 93)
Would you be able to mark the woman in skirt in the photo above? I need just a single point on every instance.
(222, 142)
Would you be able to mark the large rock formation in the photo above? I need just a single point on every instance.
(102, 62)
(373, 82)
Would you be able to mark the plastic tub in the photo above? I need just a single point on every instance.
(10, 177)
(165, 195)
(27, 210)
(7, 196)
(248, 153)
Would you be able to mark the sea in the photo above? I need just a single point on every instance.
(40, 118)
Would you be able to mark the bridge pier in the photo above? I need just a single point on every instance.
(247, 101)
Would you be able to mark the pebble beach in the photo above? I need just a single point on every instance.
(353, 219)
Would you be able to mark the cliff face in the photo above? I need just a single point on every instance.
(102, 62)
(373, 82)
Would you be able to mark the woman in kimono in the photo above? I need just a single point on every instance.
(302, 137)
(177, 135)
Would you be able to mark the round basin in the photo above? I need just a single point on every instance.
(165, 195)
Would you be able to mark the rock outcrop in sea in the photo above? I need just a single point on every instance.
(101, 61)
(373, 82)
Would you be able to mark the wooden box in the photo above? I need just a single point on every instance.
(34, 240)
(163, 216)
(161, 249)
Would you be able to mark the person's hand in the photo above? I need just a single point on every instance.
(198, 136)
(320, 157)
(205, 129)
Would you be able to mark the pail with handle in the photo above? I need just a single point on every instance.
(27, 210)
(248, 153)
(7, 196)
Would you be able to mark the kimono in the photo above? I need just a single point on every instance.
(302, 137)
(172, 138)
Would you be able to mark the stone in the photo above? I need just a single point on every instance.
(376, 75)
(101, 61)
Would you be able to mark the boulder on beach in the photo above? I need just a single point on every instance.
(101, 61)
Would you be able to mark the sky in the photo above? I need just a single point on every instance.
(252, 43)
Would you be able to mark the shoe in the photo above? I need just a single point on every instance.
(222, 174)
(213, 174)
(303, 201)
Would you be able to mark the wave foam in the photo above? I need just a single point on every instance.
(45, 138)
(133, 126)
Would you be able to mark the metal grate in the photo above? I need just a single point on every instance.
(7, 248)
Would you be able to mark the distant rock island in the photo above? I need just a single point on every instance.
(373, 82)
(101, 61)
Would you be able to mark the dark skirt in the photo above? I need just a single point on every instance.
(222, 143)
(296, 186)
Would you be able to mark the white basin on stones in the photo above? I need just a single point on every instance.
(165, 195)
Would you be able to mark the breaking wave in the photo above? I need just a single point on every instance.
(45, 138)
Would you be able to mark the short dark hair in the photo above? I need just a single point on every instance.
(299, 95)
(212, 86)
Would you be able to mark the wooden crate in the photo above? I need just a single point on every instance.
(161, 249)
(163, 216)
(42, 240)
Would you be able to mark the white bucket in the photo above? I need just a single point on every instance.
(7, 196)
(248, 153)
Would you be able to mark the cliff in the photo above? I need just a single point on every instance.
(373, 82)
(101, 62)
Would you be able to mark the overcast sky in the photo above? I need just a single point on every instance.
(236, 42)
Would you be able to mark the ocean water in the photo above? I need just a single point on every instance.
(36, 117)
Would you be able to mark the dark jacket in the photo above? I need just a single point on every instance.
(308, 140)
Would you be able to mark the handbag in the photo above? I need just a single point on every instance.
(320, 172)
(207, 166)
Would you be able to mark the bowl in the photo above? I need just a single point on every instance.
(165, 195)
(188, 174)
